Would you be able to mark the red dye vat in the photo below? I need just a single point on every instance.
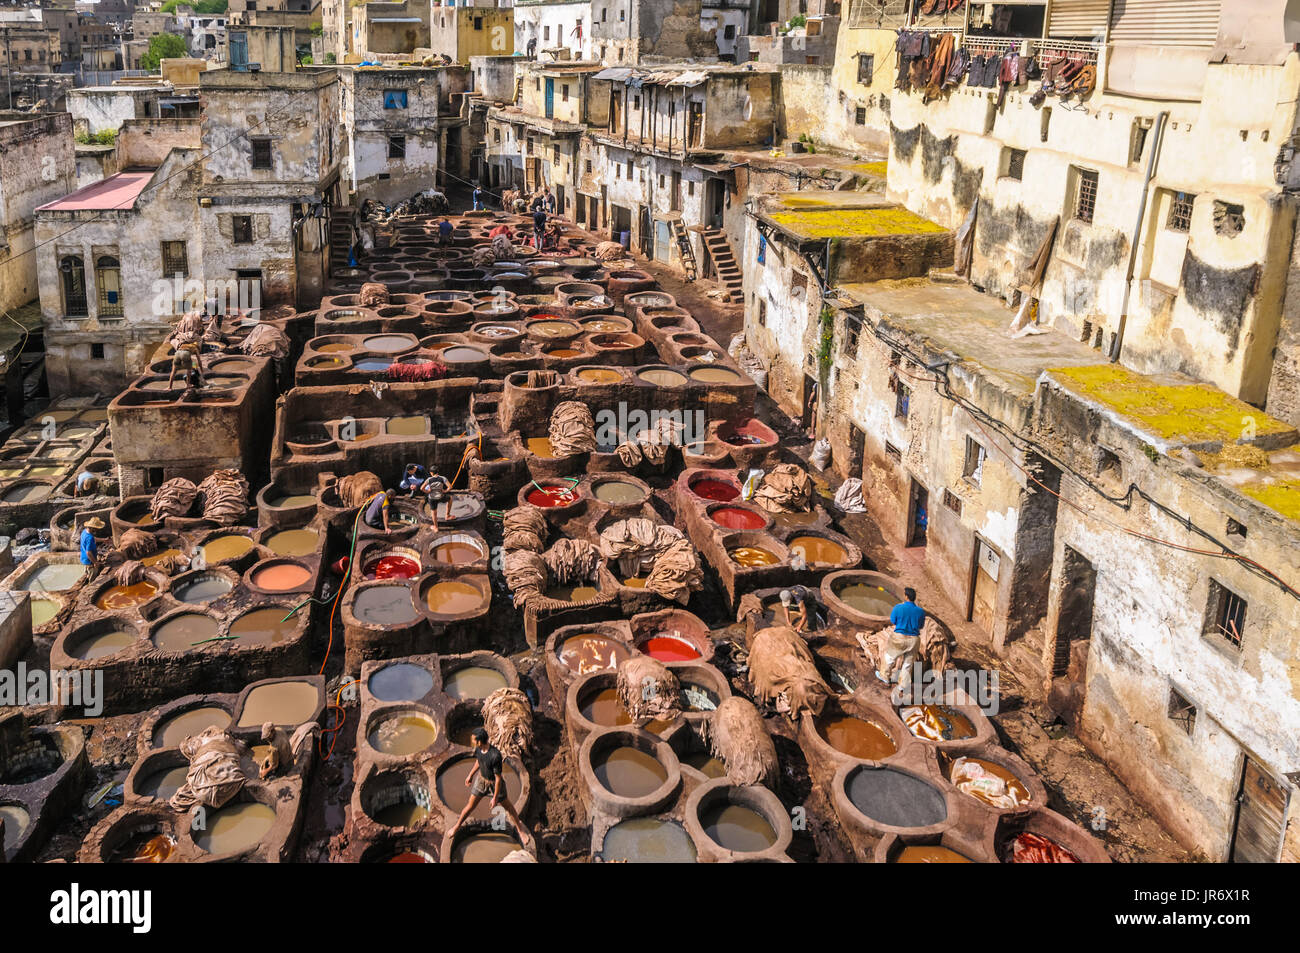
(407, 858)
(715, 490)
(669, 648)
(733, 517)
(393, 567)
(552, 496)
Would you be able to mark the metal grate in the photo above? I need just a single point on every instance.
(1180, 212)
(952, 501)
(261, 153)
(108, 278)
(1227, 614)
(1085, 203)
(74, 286)
(175, 261)
(1016, 164)
(1181, 711)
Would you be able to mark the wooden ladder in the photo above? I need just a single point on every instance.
(685, 249)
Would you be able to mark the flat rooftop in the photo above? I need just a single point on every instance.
(821, 214)
(117, 192)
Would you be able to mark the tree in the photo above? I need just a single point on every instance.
(163, 46)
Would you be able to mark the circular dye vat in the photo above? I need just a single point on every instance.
(855, 737)
(450, 597)
(617, 492)
(868, 599)
(172, 731)
(490, 847)
(294, 542)
(698, 698)
(463, 353)
(635, 582)
(563, 352)
(334, 347)
(548, 496)
(977, 781)
(450, 785)
(53, 577)
(181, 632)
(572, 593)
(598, 375)
(202, 588)
(736, 827)
(936, 722)
(718, 490)
(125, 597)
(226, 547)
(407, 857)
(648, 840)
(391, 566)
(602, 326)
(714, 375)
(930, 854)
(281, 703)
(591, 652)
(235, 827)
(553, 328)
(457, 551)
(706, 764)
(894, 798)
(43, 610)
(401, 814)
(16, 821)
(159, 556)
(662, 377)
(496, 331)
(387, 343)
(403, 733)
(629, 772)
(102, 644)
(281, 577)
(733, 517)
(373, 364)
(669, 647)
(264, 626)
(473, 681)
(818, 549)
(384, 605)
(401, 682)
(752, 556)
(540, 446)
(604, 708)
(297, 499)
(162, 784)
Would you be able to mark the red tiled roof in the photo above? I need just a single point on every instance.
(115, 192)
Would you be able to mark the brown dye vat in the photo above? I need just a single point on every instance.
(563, 352)
(144, 847)
(573, 593)
(596, 375)
(936, 722)
(635, 582)
(791, 520)
(105, 643)
(601, 326)
(385, 605)
(606, 709)
(662, 377)
(416, 426)
(706, 764)
(283, 703)
(540, 446)
(618, 492)
(403, 734)
(124, 597)
(170, 733)
(336, 347)
(297, 499)
(1013, 783)
(452, 598)
(158, 557)
(736, 827)
(591, 652)
(487, 848)
(235, 827)
(553, 329)
(294, 542)
(752, 556)
(463, 353)
(164, 783)
(929, 854)
(226, 547)
(264, 627)
(402, 814)
(855, 737)
(450, 784)
(387, 343)
(714, 375)
(473, 681)
(817, 549)
(629, 772)
(181, 632)
(867, 599)
(457, 552)
(281, 577)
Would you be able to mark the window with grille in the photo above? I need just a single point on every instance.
(241, 227)
(73, 272)
(866, 68)
(1014, 164)
(108, 277)
(973, 468)
(394, 99)
(174, 260)
(397, 147)
(859, 116)
(1181, 711)
(261, 153)
(902, 400)
(1085, 195)
(893, 453)
(851, 340)
(1180, 211)
(952, 501)
(1226, 618)
(96, 351)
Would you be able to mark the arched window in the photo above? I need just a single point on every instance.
(73, 273)
(108, 278)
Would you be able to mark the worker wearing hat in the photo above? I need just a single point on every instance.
(90, 545)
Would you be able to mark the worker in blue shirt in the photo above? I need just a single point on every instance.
(478, 199)
(90, 545)
(902, 647)
(907, 617)
(445, 229)
(412, 479)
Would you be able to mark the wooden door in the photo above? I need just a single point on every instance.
(1261, 816)
(984, 596)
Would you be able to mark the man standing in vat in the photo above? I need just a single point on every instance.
(901, 649)
(487, 777)
(90, 545)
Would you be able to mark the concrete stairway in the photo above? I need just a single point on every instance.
(724, 262)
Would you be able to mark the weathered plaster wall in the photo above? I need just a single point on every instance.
(37, 165)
